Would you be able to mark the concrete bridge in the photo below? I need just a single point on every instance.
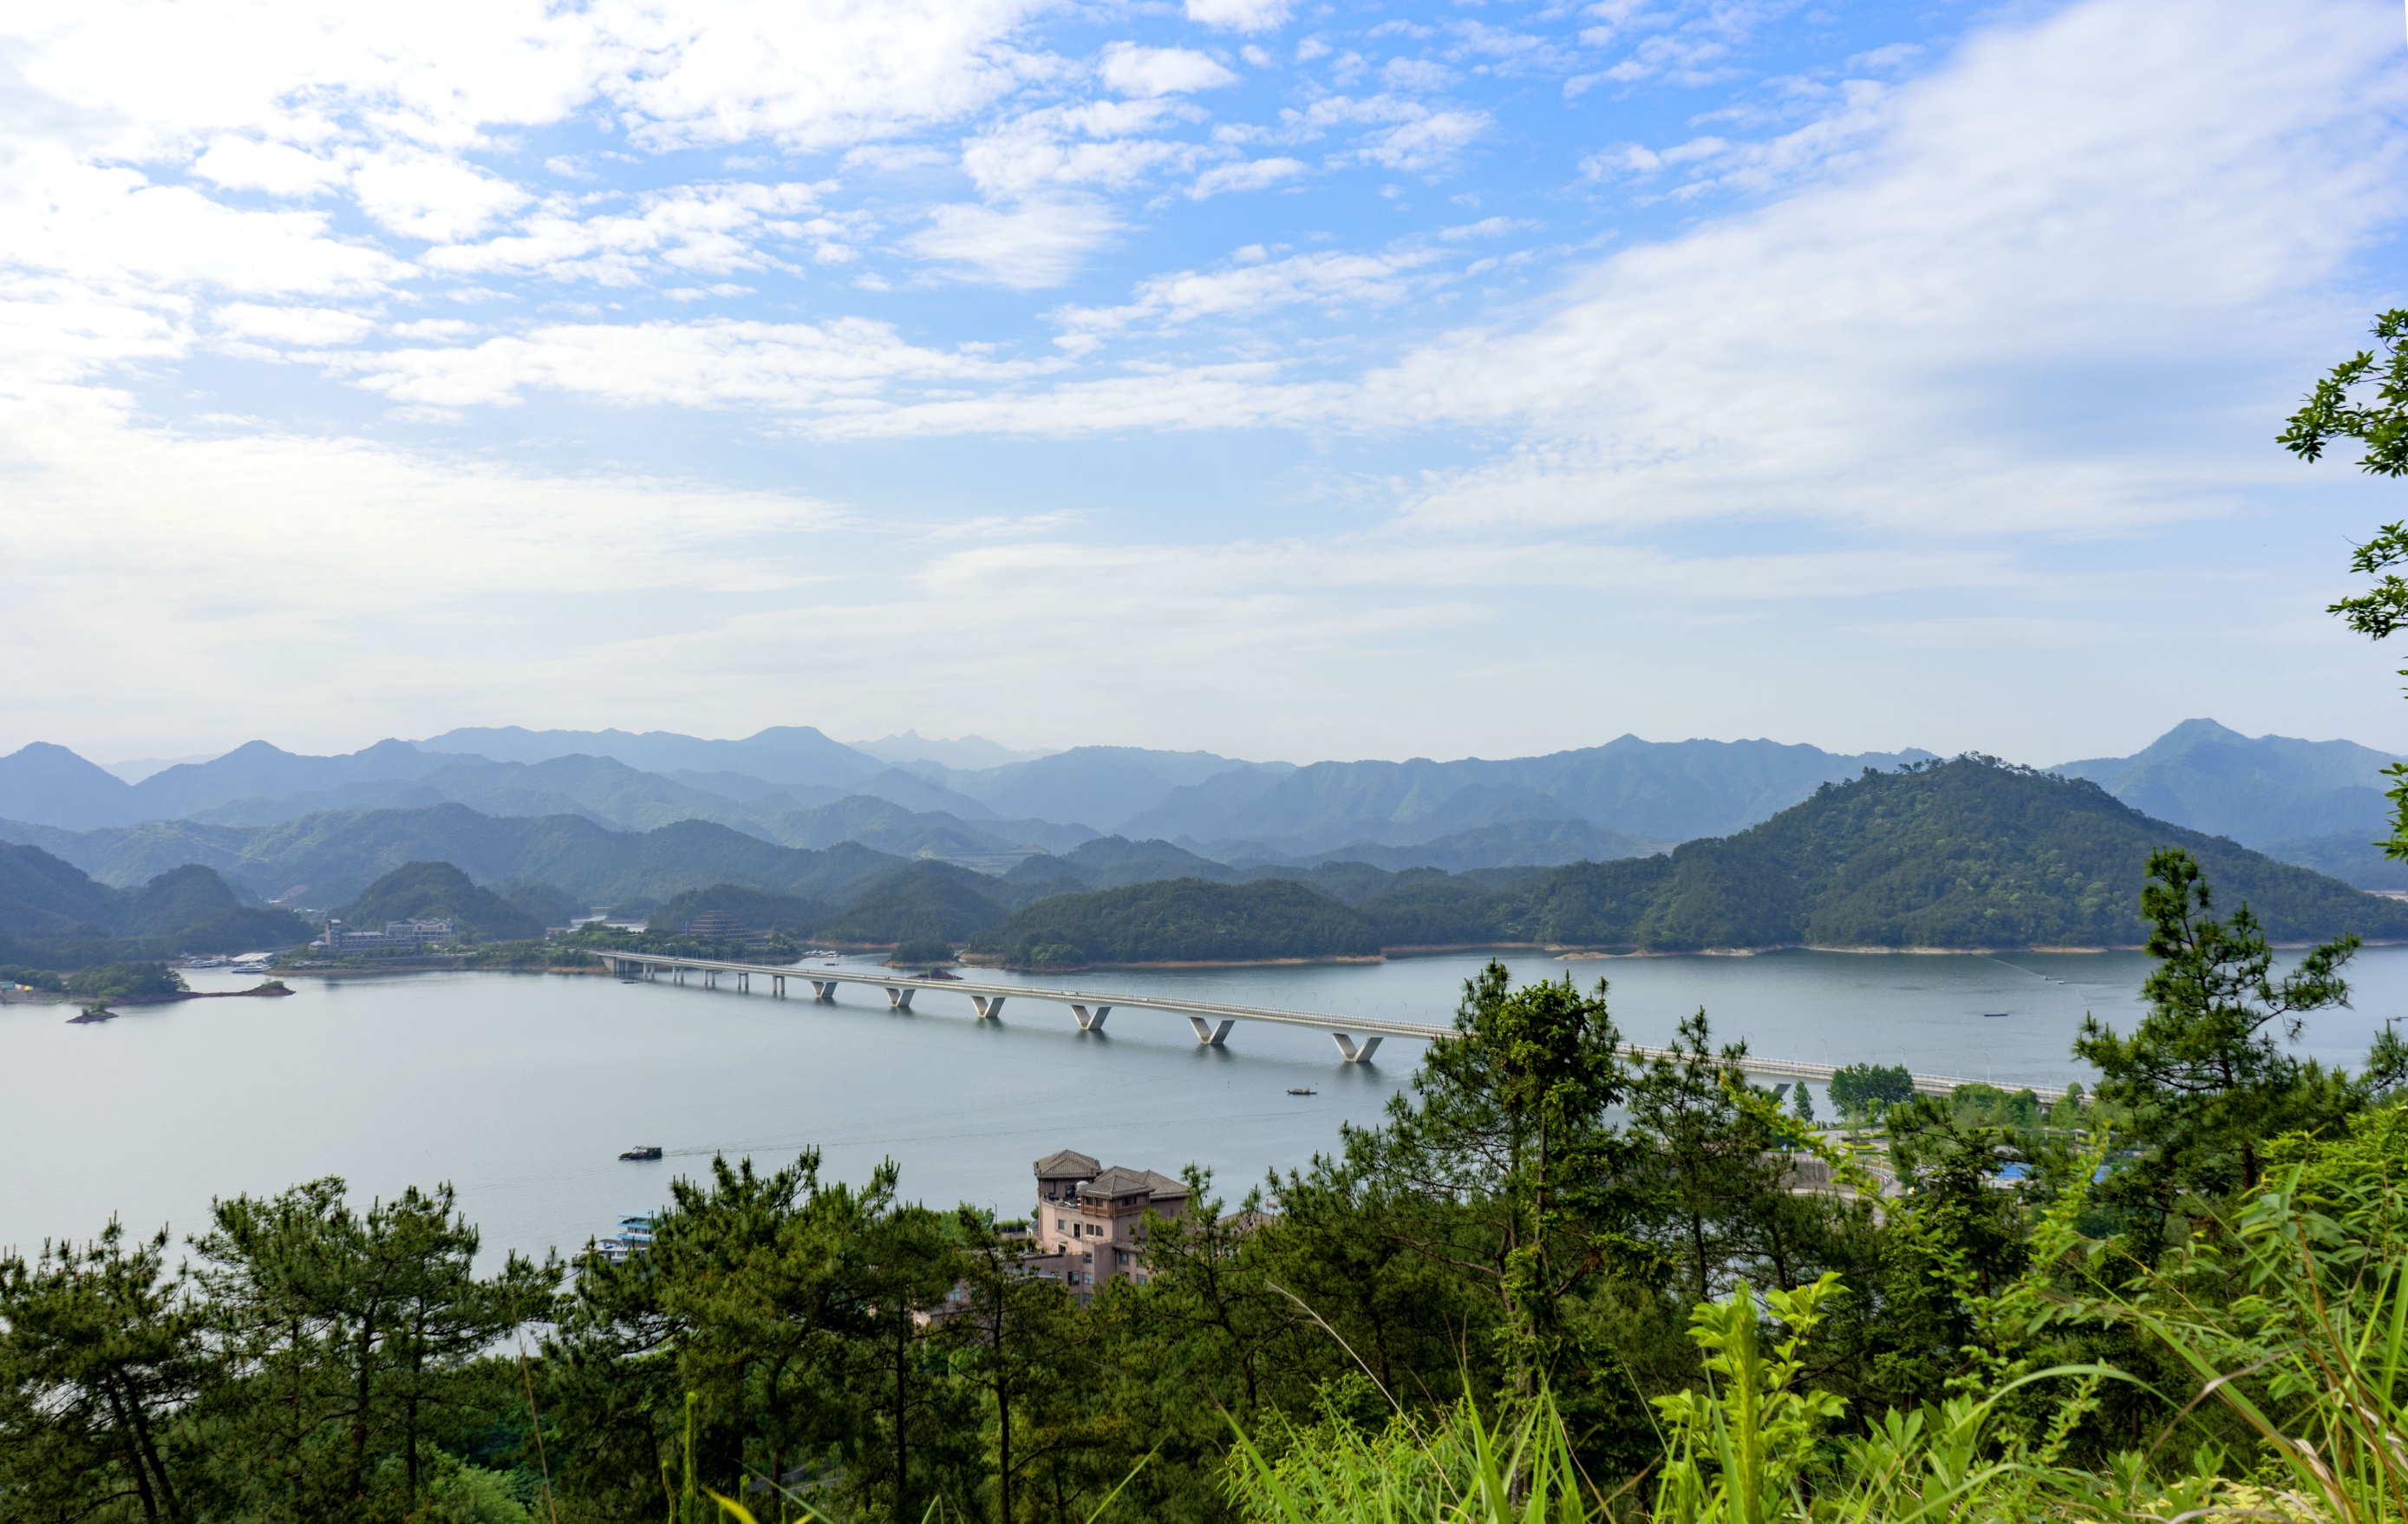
(1357, 1038)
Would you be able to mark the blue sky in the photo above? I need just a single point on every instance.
(1284, 379)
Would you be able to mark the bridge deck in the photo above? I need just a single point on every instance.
(1210, 1011)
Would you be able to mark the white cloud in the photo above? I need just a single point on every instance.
(1487, 227)
(1100, 143)
(425, 195)
(844, 364)
(1239, 15)
(1249, 175)
(110, 226)
(1415, 74)
(1173, 301)
(435, 329)
(692, 228)
(306, 325)
(1036, 244)
(1133, 70)
(243, 163)
(1719, 163)
(1887, 343)
(1405, 134)
(809, 73)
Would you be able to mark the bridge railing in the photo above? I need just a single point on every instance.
(1211, 1019)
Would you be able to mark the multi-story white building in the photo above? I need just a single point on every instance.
(411, 933)
(1089, 1228)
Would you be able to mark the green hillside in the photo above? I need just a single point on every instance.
(1960, 855)
(1183, 920)
(53, 916)
(758, 909)
(1963, 854)
(439, 890)
(42, 896)
(923, 901)
(1967, 853)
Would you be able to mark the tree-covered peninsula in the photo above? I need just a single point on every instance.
(1181, 921)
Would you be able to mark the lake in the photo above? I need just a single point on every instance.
(522, 1090)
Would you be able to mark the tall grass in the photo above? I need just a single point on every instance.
(2294, 1317)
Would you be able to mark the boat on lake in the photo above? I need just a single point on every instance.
(634, 1236)
(643, 1151)
(1302, 1091)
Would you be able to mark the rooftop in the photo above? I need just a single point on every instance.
(1065, 1163)
(1117, 1181)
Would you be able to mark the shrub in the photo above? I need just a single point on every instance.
(1870, 1087)
(125, 982)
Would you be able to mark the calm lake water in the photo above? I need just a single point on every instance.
(521, 1089)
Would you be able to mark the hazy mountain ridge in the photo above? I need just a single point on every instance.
(2259, 790)
(1667, 791)
(780, 754)
(327, 859)
(1962, 855)
(2319, 802)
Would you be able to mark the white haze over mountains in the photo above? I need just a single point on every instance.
(1364, 380)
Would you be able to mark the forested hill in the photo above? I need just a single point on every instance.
(52, 915)
(1967, 854)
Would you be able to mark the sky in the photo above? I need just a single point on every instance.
(1278, 379)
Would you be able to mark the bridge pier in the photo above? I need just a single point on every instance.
(823, 989)
(1352, 1055)
(898, 997)
(1208, 1034)
(990, 1007)
(777, 987)
(1093, 1023)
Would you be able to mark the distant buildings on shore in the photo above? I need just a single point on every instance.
(412, 934)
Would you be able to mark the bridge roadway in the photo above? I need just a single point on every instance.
(1210, 1020)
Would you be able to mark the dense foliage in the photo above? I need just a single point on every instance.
(923, 901)
(1862, 1089)
(758, 909)
(1186, 920)
(1622, 1262)
(439, 891)
(52, 915)
(124, 981)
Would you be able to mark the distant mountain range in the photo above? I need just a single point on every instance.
(1960, 855)
(1954, 855)
(2315, 803)
(1964, 855)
